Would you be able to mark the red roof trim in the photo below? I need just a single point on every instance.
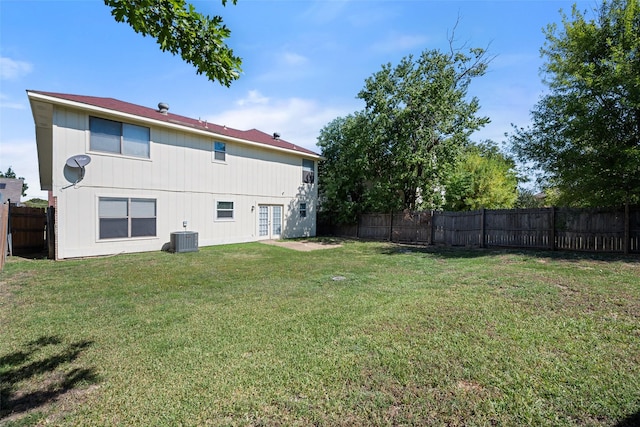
(252, 135)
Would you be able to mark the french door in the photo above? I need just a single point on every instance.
(269, 221)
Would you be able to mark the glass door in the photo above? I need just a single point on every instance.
(269, 221)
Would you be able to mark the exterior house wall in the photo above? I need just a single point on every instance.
(184, 179)
(10, 190)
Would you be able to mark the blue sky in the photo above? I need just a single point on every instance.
(304, 61)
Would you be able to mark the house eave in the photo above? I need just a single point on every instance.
(43, 118)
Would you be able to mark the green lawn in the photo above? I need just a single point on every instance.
(255, 335)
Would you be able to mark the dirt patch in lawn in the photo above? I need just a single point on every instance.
(305, 245)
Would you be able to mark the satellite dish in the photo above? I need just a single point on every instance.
(78, 161)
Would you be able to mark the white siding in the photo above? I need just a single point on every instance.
(186, 182)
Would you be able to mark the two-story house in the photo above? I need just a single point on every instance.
(123, 177)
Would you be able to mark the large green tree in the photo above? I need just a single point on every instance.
(420, 115)
(585, 133)
(483, 177)
(393, 155)
(345, 168)
(180, 29)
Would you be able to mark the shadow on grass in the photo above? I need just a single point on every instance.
(30, 254)
(28, 382)
(463, 253)
(631, 421)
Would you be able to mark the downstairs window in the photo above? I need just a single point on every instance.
(122, 218)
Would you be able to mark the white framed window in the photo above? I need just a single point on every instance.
(110, 136)
(303, 210)
(224, 210)
(308, 170)
(123, 218)
(219, 151)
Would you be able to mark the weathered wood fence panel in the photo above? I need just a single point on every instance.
(28, 229)
(457, 228)
(375, 226)
(412, 227)
(519, 228)
(594, 230)
(634, 230)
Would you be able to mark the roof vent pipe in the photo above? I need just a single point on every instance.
(163, 108)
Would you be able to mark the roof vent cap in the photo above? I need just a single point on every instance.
(276, 135)
(163, 107)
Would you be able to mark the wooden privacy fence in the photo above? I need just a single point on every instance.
(594, 230)
(27, 227)
(4, 233)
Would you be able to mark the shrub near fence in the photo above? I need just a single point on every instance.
(595, 230)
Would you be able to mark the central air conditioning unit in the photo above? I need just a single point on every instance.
(184, 241)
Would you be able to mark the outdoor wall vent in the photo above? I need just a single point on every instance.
(184, 241)
(163, 108)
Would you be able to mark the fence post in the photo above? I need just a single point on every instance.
(627, 231)
(552, 237)
(51, 235)
(391, 226)
(482, 217)
(4, 233)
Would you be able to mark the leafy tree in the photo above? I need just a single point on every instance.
(11, 174)
(528, 198)
(585, 134)
(37, 203)
(180, 29)
(345, 169)
(420, 115)
(393, 155)
(482, 177)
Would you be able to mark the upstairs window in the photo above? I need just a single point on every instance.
(308, 168)
(219, 151)
(120, 138)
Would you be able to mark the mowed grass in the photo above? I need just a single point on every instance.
(365, 334)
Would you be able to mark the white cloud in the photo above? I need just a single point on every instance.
(11, 69)
(293, 59)
(400, 42)
(373, 16)
(5, 102)
(323, 12)
(286, 66)
(517, 60)
(297, 120)
(253, 98)
(511, 105)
